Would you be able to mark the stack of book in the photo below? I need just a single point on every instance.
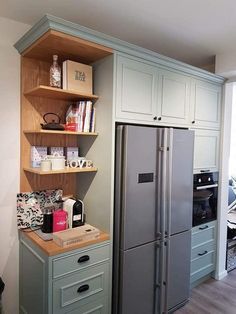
(82, 114)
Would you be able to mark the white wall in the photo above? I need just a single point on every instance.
(10, 32)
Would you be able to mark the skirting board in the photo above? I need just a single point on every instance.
(219, 276)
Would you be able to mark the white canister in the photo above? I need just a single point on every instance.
(58, 162)
(46, 165)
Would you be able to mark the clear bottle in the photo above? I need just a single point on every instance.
(55, 73)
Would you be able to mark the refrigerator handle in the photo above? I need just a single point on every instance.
(160, 305)
(169, 181)
(159, 223)
(166, 282)
(163, 149)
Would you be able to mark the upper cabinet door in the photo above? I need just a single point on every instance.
(205, 104)
(136, 90)
(173, 98)
(206, 150)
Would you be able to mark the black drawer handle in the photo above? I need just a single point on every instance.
(83, 288)
(202, 171)
(204, 253)
(203, 228)
(83, 259)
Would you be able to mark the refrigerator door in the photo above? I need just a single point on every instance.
(137, 279)
(137, 187)
(179, 180)
(178, 270)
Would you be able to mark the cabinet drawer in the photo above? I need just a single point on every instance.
(74, 262)
(202, 266)
(80, 289)
(203, 233)
(202, 262)
(203, 249)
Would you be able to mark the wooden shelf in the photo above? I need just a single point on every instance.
(65, 171)
(60, 132)
(67, 47)
(57, 93)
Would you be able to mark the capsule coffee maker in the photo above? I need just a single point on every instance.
(76, 215)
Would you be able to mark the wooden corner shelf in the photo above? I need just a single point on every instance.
(57, 93)
(60, 132)
(65, 171)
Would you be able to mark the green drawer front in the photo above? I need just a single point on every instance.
(203, 233)
(98, 307)
(79, 261)
(201, 273)
(203, 261)
(80, 289)
(203, 249)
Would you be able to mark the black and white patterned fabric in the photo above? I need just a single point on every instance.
(30, 206)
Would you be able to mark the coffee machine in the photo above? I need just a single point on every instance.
(75, 210)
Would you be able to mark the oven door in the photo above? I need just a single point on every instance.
(204, 205)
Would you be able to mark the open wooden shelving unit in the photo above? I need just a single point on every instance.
(38, 98)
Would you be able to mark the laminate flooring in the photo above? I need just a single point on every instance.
(213, 297)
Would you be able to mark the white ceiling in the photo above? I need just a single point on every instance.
(192, 31)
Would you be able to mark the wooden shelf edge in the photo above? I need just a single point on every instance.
(53, 92)
(60, 132)
(51, 248)
(65, 171)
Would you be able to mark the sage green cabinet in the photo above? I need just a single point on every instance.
(206, 150)
(203, 253)
(136, 89)
(149, 93)
(173, 98)
(205, 104)
(73, 282)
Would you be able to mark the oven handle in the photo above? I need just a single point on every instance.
(203, 187)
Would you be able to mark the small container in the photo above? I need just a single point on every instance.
(59, 220)
(55, 73)
(47, 220)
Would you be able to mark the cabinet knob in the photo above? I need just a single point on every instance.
(155, 118)
(159, 118)
(83, 259)
(193, 122)
(83, 288)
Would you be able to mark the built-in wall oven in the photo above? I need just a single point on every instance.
(205, 192)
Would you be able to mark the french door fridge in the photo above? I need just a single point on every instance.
(152, 221)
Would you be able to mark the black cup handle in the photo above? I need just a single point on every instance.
(204, 253)
(83, 259)
(203, 228)
(83, 288)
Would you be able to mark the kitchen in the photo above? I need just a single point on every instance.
(94, 217)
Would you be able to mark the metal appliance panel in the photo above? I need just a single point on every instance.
(137, 279)
(178, 272)
(138, 186)
(180, 180)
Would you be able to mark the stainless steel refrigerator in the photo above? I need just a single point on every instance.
(153, 219)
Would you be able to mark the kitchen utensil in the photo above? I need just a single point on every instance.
(54, 124)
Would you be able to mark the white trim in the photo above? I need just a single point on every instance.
(222, 275)
(223, 180)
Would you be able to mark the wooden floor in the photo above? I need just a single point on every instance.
(213, 297)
